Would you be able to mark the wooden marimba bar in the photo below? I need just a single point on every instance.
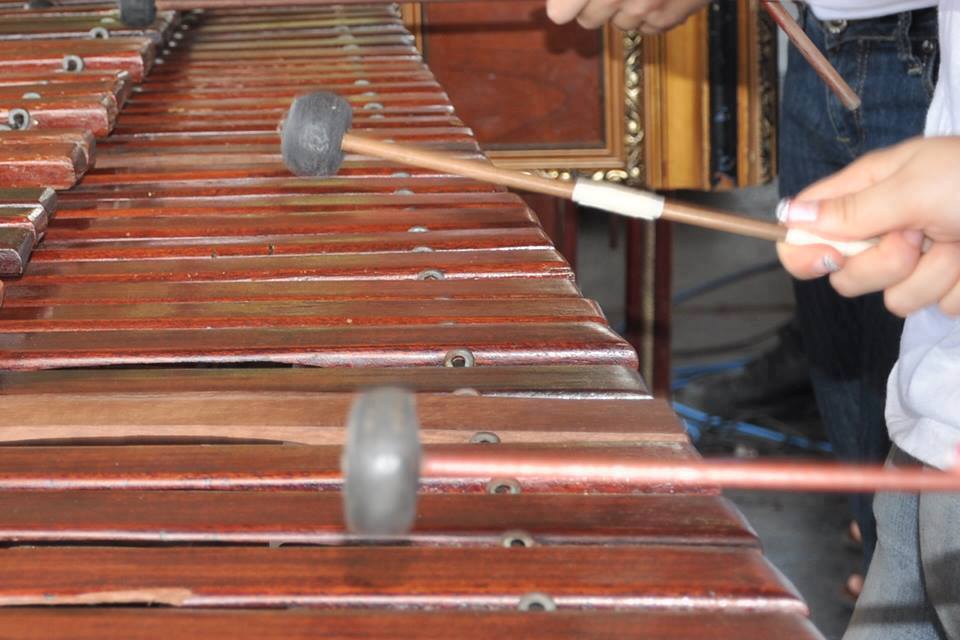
(185, 323)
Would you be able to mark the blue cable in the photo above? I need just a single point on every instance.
(683, 375)
(696, 421)
(699, 420)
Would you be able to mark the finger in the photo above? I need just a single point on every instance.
(890, 205)
(648, 29)
(950, 303)
(629, 21)
(664, 18)
(865, 172)
(811, 261)
(866, 199)
(636, 14)
(598, 13)
(563, 11)
(879, 268)
(935, 275)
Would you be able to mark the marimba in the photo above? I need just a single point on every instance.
(184, 324)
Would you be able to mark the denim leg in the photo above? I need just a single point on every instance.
(893, 605)
(852, 344)
(895, 601)
(940, 553)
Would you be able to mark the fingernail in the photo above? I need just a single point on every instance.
(828, 265)
(792, 211)
(914, 238)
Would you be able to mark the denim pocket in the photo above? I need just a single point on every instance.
(919, 47)
(928, 58)
(852, 60)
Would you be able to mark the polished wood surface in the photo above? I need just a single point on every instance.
(541, 84)
(626, 578)
(599, 382)
(402, 345)
(157, 624)
(248, 467)
(184, 517)
(24, 216)
(245, 314)
(81, 137)
(467, 265)
(43, 164)
(507, 289)
(181, 351)
(133, 55)
(94, 113)
(288, 416)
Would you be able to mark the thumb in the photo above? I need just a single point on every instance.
(563, 11)
(867, 213)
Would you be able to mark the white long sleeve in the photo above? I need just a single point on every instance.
(861, 9)
(923, 395)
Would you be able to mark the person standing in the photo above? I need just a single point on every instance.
(887, 50)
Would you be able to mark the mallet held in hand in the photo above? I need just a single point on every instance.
(383, 462)
(316, 133)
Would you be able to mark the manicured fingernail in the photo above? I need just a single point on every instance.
(828, 264)
(914, 238)
(789, 211)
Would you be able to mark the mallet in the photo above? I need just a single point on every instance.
(137, 13)
(827, 72)
(383, 462)
(316, 132)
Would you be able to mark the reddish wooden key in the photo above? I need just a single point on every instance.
(619, 578)
(298, 624)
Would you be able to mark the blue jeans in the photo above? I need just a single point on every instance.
(891, 63)
(912, 590)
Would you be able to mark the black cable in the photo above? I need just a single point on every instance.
(726, 347)
(725, 280)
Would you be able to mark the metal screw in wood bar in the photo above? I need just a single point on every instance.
(19, 119)
(459, 359)
(517, 538)
(536, 602)
(73, 63)
(431, 274)
(503, 486)
(484, 437)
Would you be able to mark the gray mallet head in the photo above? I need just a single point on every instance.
(313, 132)
(138, 13)
(381, 463)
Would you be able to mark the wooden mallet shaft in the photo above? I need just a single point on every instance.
(622, 200)
(316, 133)
(814, 56)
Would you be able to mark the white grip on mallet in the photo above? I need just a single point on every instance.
(616, 198)
(848, 249)
(802, 237)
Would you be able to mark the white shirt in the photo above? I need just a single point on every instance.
(861, 9)
(923, 394)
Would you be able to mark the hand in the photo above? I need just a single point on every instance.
(906, 195)
(650, 17)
